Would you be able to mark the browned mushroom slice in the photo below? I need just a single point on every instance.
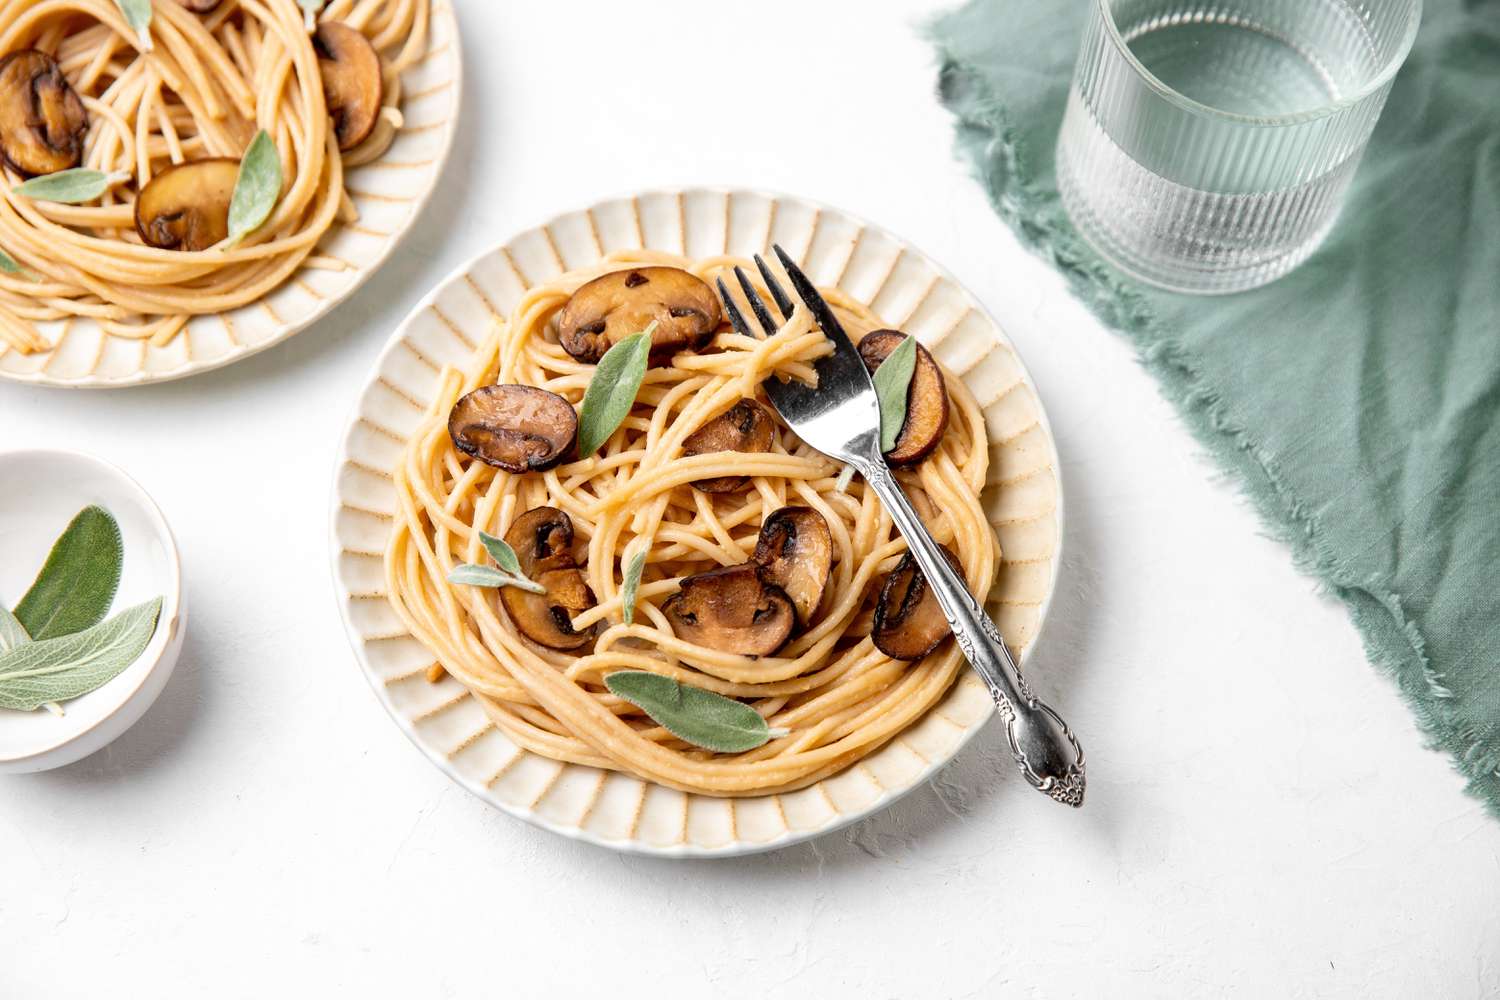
(543, 539)
(42, 119)
(613, 306)
(926, 398)
(352, 82)
(186, 207)
(518, 428)
(733, 610)
(745, 427)
(794, 551)
(909, 622)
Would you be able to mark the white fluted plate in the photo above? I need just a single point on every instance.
(389, 193)
(908, 291)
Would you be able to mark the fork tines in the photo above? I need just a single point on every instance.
(806, 291)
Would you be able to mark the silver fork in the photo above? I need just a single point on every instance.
(841, 418)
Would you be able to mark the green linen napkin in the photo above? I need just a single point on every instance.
(1357, 400)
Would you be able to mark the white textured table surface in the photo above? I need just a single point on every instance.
(1262, 818)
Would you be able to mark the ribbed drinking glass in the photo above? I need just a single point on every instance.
(1208, 144)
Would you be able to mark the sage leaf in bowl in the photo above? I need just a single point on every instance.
(52, 670)
(700, 717)
(78, 581)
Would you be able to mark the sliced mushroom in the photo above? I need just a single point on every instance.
(926, 398)
(733, 610)
(794, 551)
(613, 306)
(199, 6)
(186, 207)
(352, 82)
(543, 539)
(909, 622)
(42, 120)
(518, 428)
(745, 427)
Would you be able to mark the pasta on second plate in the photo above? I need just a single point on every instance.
(765, 576)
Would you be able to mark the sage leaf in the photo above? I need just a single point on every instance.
(502, 553)
(256, 189)
(138, 16)
(700, 717)
(69, 187)
(8, 263)
(12, 632)
(310, 11)
(488, 576)
(78, 581)
(632, 585)
(611, 392)
(892, 380)
(51, 670)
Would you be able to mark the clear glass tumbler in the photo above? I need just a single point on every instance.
(1208, 144)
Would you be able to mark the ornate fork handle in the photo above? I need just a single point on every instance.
(1044, 747)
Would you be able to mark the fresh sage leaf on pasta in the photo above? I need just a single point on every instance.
(78, 581)
(8, 264)
(488, 576)
(52, 670)
(611, 392)
(138, 16)
(700, 717)
(632, 585)
(255, 190)
(12, 632)
(310, 11)
(892, 380)
(501, 552)
(69, 187)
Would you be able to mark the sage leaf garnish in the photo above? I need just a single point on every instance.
(52, 670)
(78, 581)
(70, 187)
(310, 11)
(489, 576)
(632, 585)
(12, 632)
(700, 717)
(611, 392)
(892, 380)
(138, 16)
(501, 552)
(8, 263)
(256, 189)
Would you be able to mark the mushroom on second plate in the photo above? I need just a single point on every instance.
(42, 119)
(795, 552)
(746, 426)
(926, 398)
(909, 622)
(186, 207)
(543, 542)
(732, 609)
(352, 81)
(518, 428)
(606, 310)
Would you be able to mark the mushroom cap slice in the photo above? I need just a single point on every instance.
(186, 207)
(926, 398)
(909, 622)
(795, 552)
(732, 609)
(518, 428)
(613, 306)
(542, 539)
(352, 81)
(42, 119)
(746, 426)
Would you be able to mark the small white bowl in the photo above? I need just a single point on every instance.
(43, 490)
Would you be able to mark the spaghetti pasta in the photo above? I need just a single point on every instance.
(204, 88)
(837, 696)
